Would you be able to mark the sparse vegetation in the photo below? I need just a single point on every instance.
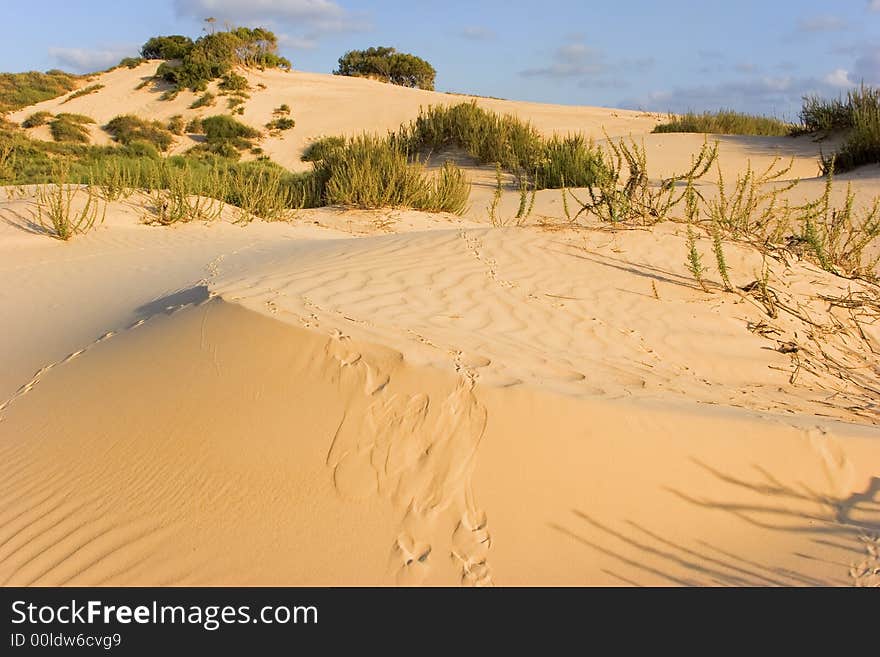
(726, 122)
(388, 65)
(19, 90)
(281, 123)
(858, 116)
(37, 119)
(374, 172)
(131, 62)
(515, 145)
(70, 128)
(176, 124)
(127, 129)
(615, 197)
(55, 211)
(85, 91)
(205, 100)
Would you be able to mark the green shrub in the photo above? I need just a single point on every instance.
(282, 110)
(862, 143)
(85, 91)
(725, 122)
(221, 127)
(75, 118)
(36, 119)
(167, 47)
(195, 127)
(131, 62)
(492, 138)
(128, 128)
(19, 90)
(233, 82)
(858, 116)
(66, 129)
(374, 172)
(205, 100)
(567, 162)
(176, 124)
(319, 149)
(140, 149)
(281, 123)
(388, 65)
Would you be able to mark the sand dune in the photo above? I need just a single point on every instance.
(394, 397)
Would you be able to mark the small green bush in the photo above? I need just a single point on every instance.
(319, 149)
(67, 130)
(233, 82)
(858, 116)
(36, 119)
(131, 62)
(515, 145)
(374, 172)
(225, 127)
(176, 124)
(195, 127)
(281, 123)
(128, 128)
(205, 100)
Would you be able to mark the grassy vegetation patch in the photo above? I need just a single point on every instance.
(19, 90)
(37, 119)
(726, 122)
(69, 128)
(85, 91)
(128, 128)
(504, 139)
(857, 116)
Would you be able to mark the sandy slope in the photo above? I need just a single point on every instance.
(392, 397)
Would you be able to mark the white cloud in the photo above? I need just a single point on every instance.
(314, 15)
(297, 42)
(839, 77)
(85, 60)
(874, 5)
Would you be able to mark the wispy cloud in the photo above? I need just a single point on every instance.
(866, 68)
(821, 24)
(874, 5)
(313, 17)
(477, 33)
(780, 95)
(570, 61)
(89, 60)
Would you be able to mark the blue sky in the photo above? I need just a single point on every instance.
(758, 56)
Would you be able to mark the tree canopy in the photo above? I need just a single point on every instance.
(388, 65)
(213, 55)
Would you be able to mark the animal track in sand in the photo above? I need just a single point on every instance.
(419, 455)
